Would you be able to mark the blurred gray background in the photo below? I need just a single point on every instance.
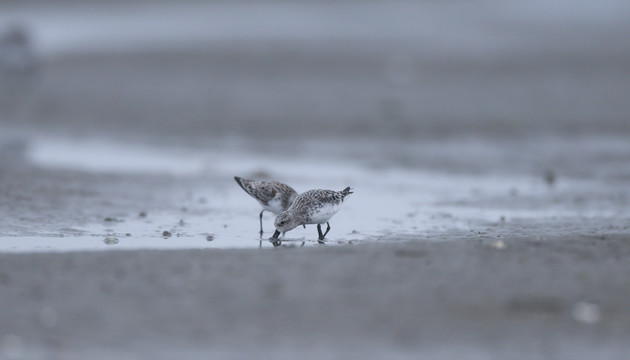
(193, 71)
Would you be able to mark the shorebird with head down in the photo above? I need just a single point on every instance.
(273, 196)
(311, 207)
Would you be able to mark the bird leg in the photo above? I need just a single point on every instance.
(261, 230)
(319, 231)
(327, 229)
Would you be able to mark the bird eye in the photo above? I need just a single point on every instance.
(281, 223)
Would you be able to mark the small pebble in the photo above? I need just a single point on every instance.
(586, 312)
(110, 240)
(499, 245)
(166, 234)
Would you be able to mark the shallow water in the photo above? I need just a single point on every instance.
(387, 204)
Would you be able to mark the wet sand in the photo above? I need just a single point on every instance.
(497, 264)
(561, 298)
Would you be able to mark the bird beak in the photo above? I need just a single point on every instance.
(276, 234)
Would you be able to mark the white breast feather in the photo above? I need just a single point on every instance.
(324, 214)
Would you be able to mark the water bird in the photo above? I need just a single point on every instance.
(311, 207)
(273, 196)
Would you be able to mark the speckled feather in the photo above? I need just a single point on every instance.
(311, 207)
(272, 195)
(310, 202)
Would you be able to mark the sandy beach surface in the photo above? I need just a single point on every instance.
(487, 146)
(558, 298)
